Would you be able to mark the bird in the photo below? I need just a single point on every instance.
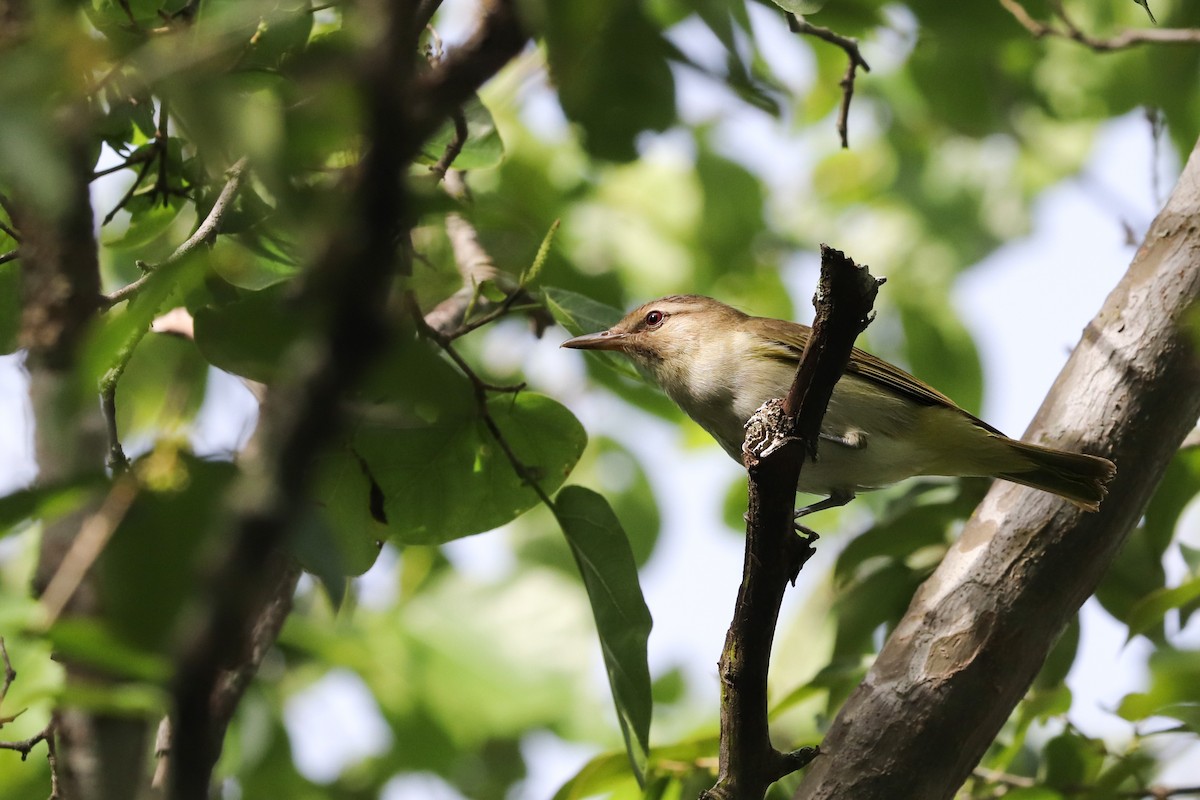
(883, 425)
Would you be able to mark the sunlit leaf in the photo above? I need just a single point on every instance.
(447, 476)
(622, 619)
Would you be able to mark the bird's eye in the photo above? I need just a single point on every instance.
(654, 319)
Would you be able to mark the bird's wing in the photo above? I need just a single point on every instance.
(793, 336)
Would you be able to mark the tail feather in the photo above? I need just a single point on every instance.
(1077, 477)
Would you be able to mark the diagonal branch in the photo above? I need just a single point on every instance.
(979, 629)
(203, 234)
(777, 439)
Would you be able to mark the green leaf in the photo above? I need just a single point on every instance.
(10, 299)
(47, 502)
(623, 621)
(86, 641)
(580, 314)
(150, 218)
(162, 386)
(148, 570)
(249, 337)
(446, 476)
(350, 506)
(610, 66)
(1148, 612)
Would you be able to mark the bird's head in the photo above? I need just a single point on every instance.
(667, 334)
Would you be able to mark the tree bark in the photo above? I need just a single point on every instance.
(979, 629)
(99, 755)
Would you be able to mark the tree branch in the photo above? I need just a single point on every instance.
(778, 437)
(979, 629)
(203, 234)
(1130, 37)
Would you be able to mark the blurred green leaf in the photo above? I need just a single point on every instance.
(248, 337)
(10, 299)
(1150, 610)
(84, 641)
(610, 67)
(622, 619)
(47, 502)
(148, 570)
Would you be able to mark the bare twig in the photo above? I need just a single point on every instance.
(1130, 37)
(453, 147)
(207, 229)
(125, 198)
(8, 229)
(10, 674)
(117, 460)
(798, 24)
(11, 255)
(25, 746)
(141, 155)
(774, 554)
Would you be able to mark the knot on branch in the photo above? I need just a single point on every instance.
(768, 429)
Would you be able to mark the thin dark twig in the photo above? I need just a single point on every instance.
(1130, 37)
(8, 229)
(10, 674)
(117, 461)
(139, 156)
(800, 25)
(481, 388)
(508, 304)
(207, 229)
(24, 746)
(162, 185)
(11, 255)
(125, 198)
(453, 147)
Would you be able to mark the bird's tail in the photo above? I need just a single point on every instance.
(1080, 478)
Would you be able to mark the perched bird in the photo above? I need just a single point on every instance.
(883, 425)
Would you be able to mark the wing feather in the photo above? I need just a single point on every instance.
(793, 336)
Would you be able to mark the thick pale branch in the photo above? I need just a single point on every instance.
(979, 629)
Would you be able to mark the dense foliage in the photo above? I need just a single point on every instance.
(631, 150)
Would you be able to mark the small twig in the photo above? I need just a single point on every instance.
(207, 229)
(139, 156)
(453, 147)
(481, 388)
(25, 746)
(162, 186)
(125, 198)
(1130, 37)
(10, 674)
(11, 255)
(799, 25)
(117, 460)
(10, 231)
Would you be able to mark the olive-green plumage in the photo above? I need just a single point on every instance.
(883, 425)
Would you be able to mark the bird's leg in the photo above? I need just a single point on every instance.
(836, 499)
(854, 440)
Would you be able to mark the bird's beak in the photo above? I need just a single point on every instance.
(604, 340)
